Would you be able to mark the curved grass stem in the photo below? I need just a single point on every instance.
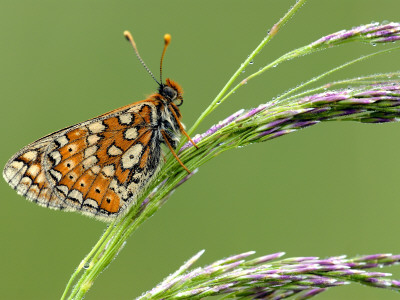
(219, 98)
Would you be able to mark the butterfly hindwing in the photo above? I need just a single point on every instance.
(97, 167)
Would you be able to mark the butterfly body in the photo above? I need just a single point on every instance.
(101, 166)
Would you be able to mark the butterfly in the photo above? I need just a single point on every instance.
(99, 167)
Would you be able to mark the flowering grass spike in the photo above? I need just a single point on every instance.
(268, 278)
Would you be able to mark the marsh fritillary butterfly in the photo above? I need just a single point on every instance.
(100, 167)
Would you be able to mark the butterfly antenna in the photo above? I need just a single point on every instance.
(167, 40)
(129, 37)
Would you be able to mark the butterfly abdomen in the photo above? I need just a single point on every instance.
(170, 125)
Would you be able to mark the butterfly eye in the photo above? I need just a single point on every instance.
(169, 93)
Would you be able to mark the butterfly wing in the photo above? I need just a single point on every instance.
(98, 167)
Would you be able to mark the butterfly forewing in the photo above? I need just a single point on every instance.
(98, 167)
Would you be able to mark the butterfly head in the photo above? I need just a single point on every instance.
(172, 92)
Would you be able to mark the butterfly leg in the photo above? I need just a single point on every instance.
(189, 138)
(165, 136)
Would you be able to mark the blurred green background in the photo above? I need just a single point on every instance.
(329, 190)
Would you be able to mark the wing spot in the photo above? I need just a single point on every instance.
(29, 156)
(96, 127)
(109, 170)
(63, 189)
(125, 118)
(41, 178)
(114, 151)
(56, 175)
(90, 162)
(91, 203)
(93, 139)
(97, 190)
(75, 196)
(131, 156)
(90, 151)
(62, 141)
(131, 133)
(56, 157)
(95, 169)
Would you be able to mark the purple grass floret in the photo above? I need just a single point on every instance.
(305, 276)
(281, 132)
(373, 33)
(303, 124)
(273, 124)
(373, 257)
(311, 293)
(213, 129)
(387, 39)
(396, 283)
(265, 258)
(233, 258)
(186, 178)
(254, 111)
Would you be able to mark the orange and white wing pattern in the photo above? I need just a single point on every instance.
(101, 166)
(98, 167)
